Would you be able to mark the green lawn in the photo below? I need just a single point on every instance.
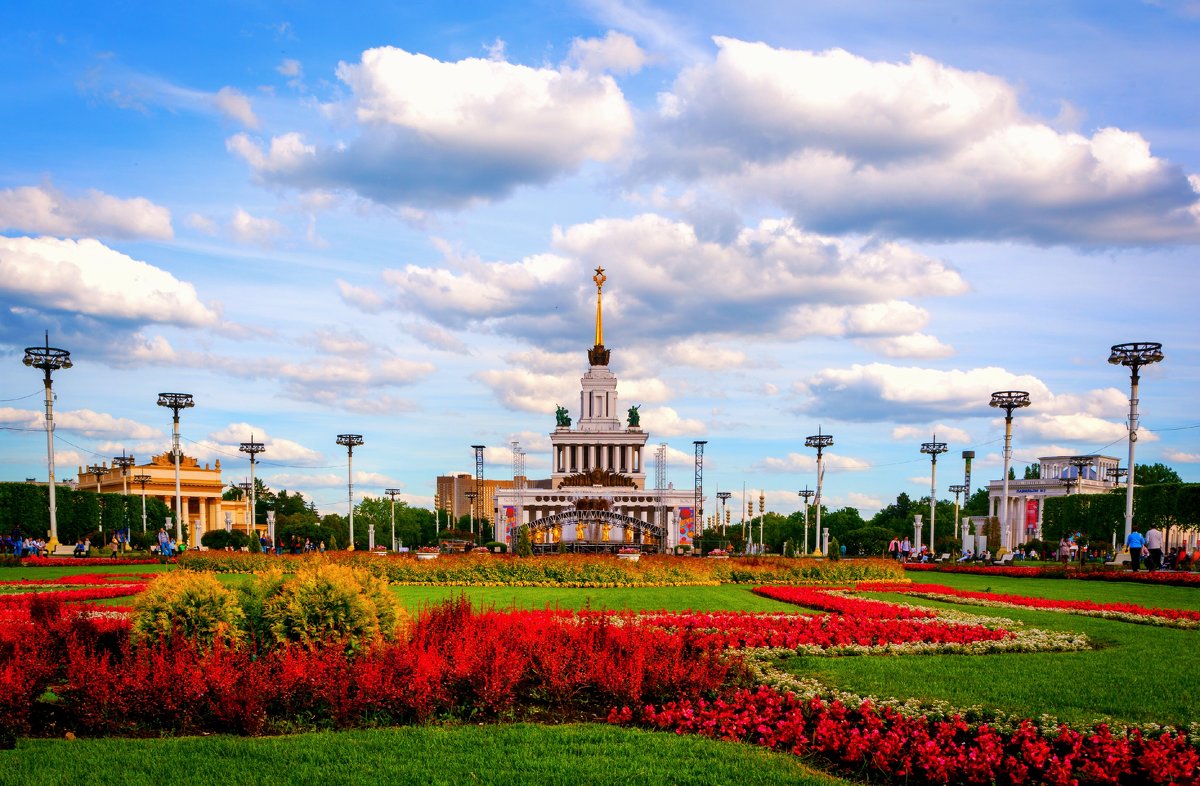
(494, 754)
(1064, 589)
(728, 596)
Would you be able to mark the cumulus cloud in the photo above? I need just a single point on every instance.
(1170, 454)
(48, 211)
(943, 432)
(236, 106)
(253, 229)
(202, 223)
(918, 346)
(82, 421)
(664, 422)
(805, 462)
(770, 279)
(915, 148)
(442, 134)
(85, 279)
(616, 52)
(277, 449)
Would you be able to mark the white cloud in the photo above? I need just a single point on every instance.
(664, 422)
(236, 106)
(1170, 454)
(615, 52)
(290, 68)
(252, 229)
(915, 148)
(340, 342)
(88, 278)
(82, 421)
(943, 432)
(636, 391)
(443, 134)
(920, 346)
(46, 210)
(804, 462)
(202, 223)
(277, 449)
(530, 391)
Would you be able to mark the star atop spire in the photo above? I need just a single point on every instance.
(598, 355)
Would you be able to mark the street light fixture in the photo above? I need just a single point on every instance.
(350, 440)
(723, 499)
(143, 480)
(1116, 473)
(471, 495)
(49, 359)
(253, 448)
(820, 442)
(176, 402)
(933, 449)
(246, 487)
(123, 463)
(1133, 355)
(762, 508)
(1007, 400)
(392, 493)
(958, 490)
(805, 494)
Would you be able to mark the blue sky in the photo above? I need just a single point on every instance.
(859, 216)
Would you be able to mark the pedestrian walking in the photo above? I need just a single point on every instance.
(1135, 543)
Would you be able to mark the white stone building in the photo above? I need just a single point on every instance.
(599, 500)
(1060, 476)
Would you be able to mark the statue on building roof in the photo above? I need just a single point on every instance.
(635, 419)
(562, 417)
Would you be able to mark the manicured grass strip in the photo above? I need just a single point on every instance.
(1140, 675)
(85, 566)
(727, 597)
(512, 754)
(1098, 591)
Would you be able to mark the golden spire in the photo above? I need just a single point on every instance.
(599, 278)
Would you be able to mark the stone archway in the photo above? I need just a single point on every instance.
(594, 523)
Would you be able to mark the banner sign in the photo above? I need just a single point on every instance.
(687, 526)
(1031, 515)
(510, 520)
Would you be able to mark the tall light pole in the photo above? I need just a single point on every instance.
(698, 489)
(471, 495)
(1133, 355)
(49, 359)
(820, 442)
(99, 471)
(143, 479)
(958, 490)
(723, 497)
(124, 463)
(1007, 400)
(479, 482)
(253, 448)
(1116, 473)
(350, 440)
(246, 487)
(805, 494)
(437, 514)
(392, 493)
(176, 402)
(762, 515)
(933, 449)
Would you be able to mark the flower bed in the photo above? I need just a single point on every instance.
(885, 744)
(570, 570)
(1125, 612)
(1172, 578)
(75, 562)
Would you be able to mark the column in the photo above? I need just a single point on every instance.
(203, 516)
(916, 544)
(1041, 512)
(967, 540)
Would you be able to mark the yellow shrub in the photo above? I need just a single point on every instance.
(194, 605)
(331, 602)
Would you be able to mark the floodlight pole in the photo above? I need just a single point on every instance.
(49, 359)
(253, 448)
(723, 497)
(176, 402)
(933, 449)
(392, 493)
(1007, 400)
(1133, 355)
(350, 440)
(143, 479)
(820, 442)
(805, 494)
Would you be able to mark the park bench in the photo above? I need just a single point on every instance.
(945, 557)
(1005, 560)
(1118, 560)
(64, 550)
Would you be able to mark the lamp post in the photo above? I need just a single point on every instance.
(805, 494)
(392, 493)
(820, 442)
(957, 490)
(762, 515)
(437, 514)
(49, 359)
(1007, 400)
(1116, 473)
(253, 448)
(723, 498)
(1133, 355)
(176, 402)
(246, 487)
(350, 440)
(143, 479)
(124, 463)
(471, 495)
(933, 449)
(98, 470)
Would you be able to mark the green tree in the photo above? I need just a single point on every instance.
(976, 504)
(1154, 474)
(1033, 472)
(898, 516)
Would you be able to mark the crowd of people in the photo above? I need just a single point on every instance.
(22, 546)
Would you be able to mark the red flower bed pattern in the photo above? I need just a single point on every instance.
(883, 744)
(75, 562)
(1172, 578)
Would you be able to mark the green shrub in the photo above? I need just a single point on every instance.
(496, 547)
(835, 550)
(524, 543)
(329, 602)
(255, 544)
(867, 541)
(194, 605)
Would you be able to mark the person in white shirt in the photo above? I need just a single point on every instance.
(1154, 544)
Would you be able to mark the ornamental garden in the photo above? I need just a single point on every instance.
(360, 668)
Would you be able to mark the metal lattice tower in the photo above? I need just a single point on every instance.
(478, 479)
(698, 488)
(968, 457)
(660, 486)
